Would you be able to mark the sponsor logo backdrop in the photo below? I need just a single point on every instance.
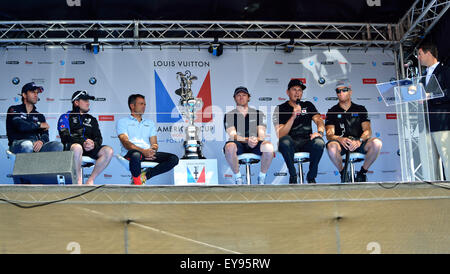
(112, 75)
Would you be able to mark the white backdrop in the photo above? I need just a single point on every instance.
(152, 72)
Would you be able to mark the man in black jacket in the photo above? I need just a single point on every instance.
(438, 108)
(26, 128)
(80, 133)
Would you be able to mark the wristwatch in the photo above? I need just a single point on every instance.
(38, 123)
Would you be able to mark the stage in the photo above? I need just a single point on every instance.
(324, 218)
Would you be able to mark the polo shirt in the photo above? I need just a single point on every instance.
(245, 126)
(347, 123)
(302, 126)
(138, 133)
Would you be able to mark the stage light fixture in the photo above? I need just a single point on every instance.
(290, 46)
(94, 46)
(216, 48)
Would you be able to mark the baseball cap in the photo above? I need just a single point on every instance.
(31, 86)
(296, 82)
(343, 83)
(81, 94)
(241, 89)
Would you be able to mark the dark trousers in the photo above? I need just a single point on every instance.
(287, 146)
(166, 162)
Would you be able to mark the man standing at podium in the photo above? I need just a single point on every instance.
(348, 130)
(438, 108)
(246, 127)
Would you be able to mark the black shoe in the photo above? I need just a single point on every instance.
(311, 181)
(360, 177)
(293, 180)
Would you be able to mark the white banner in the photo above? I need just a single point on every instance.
(112, 75)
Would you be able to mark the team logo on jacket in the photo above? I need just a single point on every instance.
(87, 122)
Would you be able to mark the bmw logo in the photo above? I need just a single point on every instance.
(62, 62)
(321, 80)
(15, 80)
(92, 81)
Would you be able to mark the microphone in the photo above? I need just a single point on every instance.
(408, 64)
(298, 103)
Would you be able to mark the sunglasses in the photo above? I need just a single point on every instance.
(342, 90)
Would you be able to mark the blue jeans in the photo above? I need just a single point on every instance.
(26, 146)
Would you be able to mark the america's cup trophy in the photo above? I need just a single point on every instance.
(189, 105)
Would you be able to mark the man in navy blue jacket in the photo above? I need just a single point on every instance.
(26, 128)
(438, 108)
(80, 133)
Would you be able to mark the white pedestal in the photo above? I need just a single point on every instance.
(196, 172)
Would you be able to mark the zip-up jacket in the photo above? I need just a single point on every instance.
(22, 125)
(75, 128)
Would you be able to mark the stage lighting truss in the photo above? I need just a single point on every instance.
(416, 23)
(132, 34)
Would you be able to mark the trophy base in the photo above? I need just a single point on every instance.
(192, 150)
(193, 157)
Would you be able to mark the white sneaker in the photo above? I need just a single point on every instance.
(238, 181)
(261, 180)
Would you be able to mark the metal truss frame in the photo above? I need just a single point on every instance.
(196, 33)
(418, 22)
(409, 31)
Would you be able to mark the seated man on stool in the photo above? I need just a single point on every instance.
(293, 124)
(26, 128)
(247, 129)
(348, 129)
(139, 143)
(80, 133)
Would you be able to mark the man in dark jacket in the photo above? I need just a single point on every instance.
(80, 133)
(26, 128)
(438, 108)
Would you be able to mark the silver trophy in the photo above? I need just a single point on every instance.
(189, 106)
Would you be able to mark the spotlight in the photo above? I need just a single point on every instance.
(216, 49)
(289, 47)
(94, 46)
